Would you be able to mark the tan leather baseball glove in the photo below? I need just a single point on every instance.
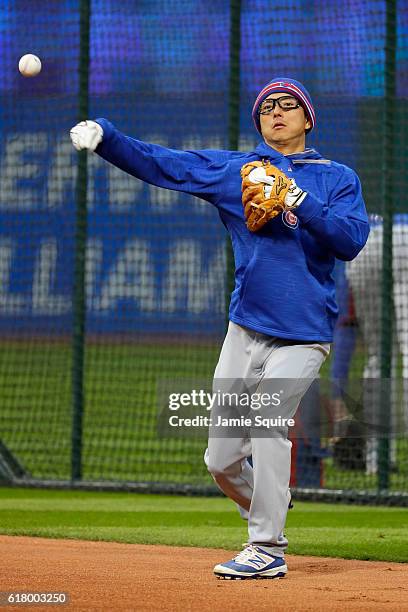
(264, 188)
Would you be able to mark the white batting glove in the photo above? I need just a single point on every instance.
(86, 135)
(295, 196)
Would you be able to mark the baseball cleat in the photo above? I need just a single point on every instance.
(252, 562)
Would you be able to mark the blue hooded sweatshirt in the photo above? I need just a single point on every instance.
(284, 284)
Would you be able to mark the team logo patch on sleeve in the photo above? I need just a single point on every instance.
(290, 220)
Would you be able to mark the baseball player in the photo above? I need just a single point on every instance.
(367, 299)
(289, 213)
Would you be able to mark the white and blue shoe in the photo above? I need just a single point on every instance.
(252, 562)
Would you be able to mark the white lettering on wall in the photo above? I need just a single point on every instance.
(21, 171)
(188, 285)
(44, 298)
(191, 282)
(131, 277)
(10, 302)
(93, 267)
(124, 190)
(39, 172)
(62, 174)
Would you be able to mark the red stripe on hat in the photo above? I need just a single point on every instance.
(291, 87)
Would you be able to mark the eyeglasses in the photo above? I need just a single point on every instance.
(284, 102)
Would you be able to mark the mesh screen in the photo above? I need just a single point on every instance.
(36, 235)
(156, 259)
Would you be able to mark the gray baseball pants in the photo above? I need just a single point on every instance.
(262, 491)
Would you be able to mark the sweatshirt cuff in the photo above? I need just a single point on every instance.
(108, 129)
(309, 208)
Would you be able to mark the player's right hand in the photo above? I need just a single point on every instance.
(86, 135)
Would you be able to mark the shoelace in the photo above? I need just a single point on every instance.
(245, 555)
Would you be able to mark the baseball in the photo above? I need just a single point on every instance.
(29, 65)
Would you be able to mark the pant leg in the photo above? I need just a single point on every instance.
(400, 273)
(299, 364)
(225, 457)
(364, 275)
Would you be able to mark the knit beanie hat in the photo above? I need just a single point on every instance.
(290, 87)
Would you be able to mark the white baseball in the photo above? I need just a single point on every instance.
(29, 65)
(258, 175)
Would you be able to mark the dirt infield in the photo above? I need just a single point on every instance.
(110, 576)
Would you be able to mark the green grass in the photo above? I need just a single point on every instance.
(120, 439)
(351, 532)
(120, 420)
